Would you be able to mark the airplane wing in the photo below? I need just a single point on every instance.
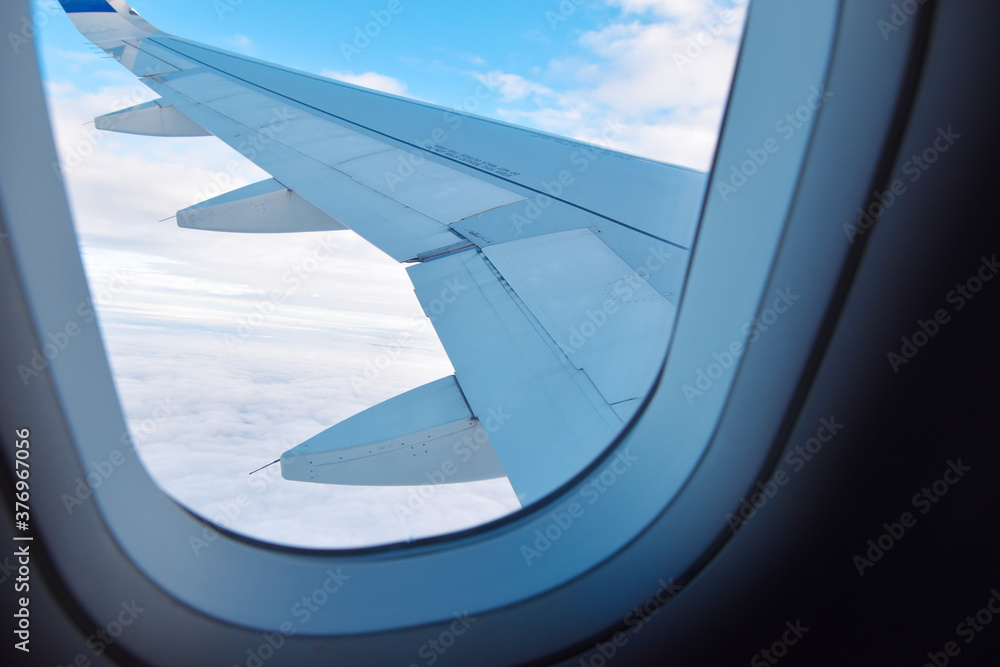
(550, 268)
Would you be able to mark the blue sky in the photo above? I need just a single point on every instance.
(205, 411)
(431, 46)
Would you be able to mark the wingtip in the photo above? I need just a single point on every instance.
(86, 6)
(107, 22)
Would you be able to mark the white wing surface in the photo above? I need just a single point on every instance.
(550, 268)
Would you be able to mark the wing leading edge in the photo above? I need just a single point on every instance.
(550, 268)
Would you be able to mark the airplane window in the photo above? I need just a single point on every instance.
(230, 349)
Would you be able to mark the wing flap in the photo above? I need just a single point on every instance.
(545, 418)
(606, 318)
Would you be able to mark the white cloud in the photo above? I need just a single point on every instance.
(472, 58)
(662, 80)
(240, 43)
(372, 80)
(514, 86)
(675, 10)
